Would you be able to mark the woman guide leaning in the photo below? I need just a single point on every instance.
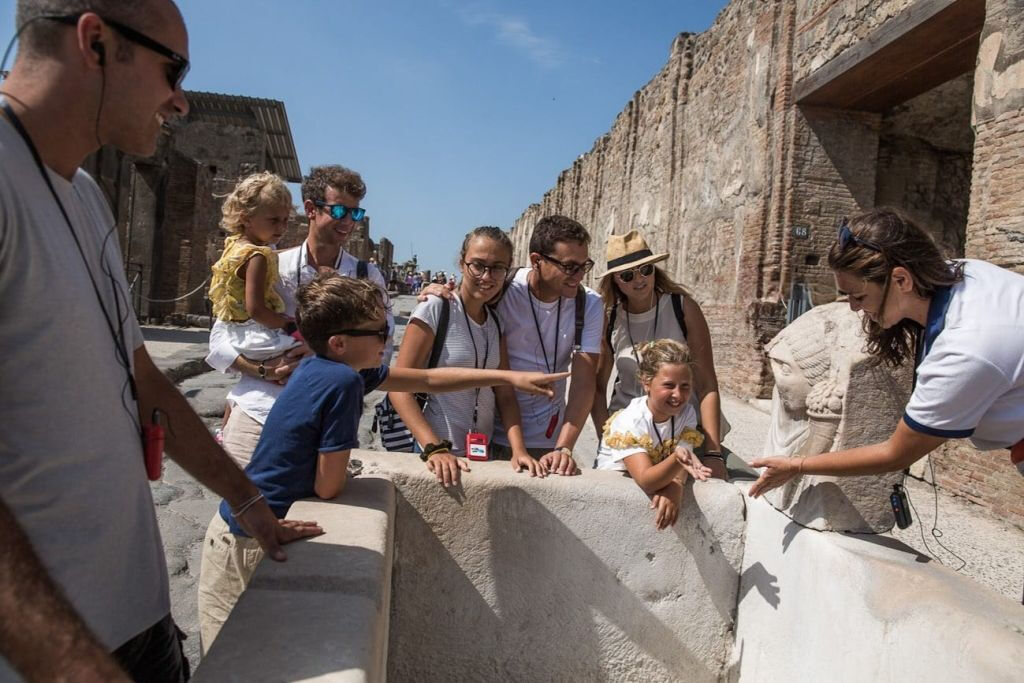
(643, 304)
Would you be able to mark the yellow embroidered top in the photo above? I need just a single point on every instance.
(632, 429)
(227, 289)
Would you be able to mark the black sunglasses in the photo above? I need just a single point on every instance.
(381, 334)
(846, 238)
(176, 70)
(570, 268)
(628, 275)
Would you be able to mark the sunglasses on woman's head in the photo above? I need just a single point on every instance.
(338, 211)
(628, 275)
(846, 238)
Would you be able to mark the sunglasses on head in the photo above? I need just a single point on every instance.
(381, 334)
(338, 211)
(176, 70)
(569, 269)
(846, 238)
(644, 270)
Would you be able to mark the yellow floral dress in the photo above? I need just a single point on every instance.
(227, 288)
(227, 292)
(632, 430)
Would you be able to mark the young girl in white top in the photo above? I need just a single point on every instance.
(242, 287)
(653, 437)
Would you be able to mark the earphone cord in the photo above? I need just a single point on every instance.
(935, 531)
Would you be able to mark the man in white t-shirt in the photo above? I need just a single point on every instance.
(331, 197)
(82, 570)
(538, 321)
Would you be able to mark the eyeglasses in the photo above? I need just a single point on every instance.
(176, 70)
(846, 238)
(479, 269)
(644, 270)
(381, 334)
(570, 268)
(338, 211)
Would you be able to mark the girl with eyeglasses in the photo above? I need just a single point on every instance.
(962, 325)
(473, 339)
(643, 304)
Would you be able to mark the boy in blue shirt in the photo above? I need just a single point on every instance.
(305, 445)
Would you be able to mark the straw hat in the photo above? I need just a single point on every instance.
(628, 251)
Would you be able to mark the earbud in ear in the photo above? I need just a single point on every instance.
(100, 51)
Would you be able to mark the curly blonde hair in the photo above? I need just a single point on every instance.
(654, 354)
(251, 193)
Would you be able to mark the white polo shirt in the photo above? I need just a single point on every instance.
(970, 380)
(253, 395)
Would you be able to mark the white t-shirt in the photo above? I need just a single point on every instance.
(521, 313)
(970, 382)
(71, 464)
(450, 414)
(253, 395)
(632, 430)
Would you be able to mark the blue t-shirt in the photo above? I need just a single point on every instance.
(318, 412)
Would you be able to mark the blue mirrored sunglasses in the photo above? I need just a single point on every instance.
(846, 238)
(338, 211)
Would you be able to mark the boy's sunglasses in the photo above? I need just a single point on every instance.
(338, 211)
(569, 269)
(381, 334)
(176, 70)
(628, 275)
(846, 238)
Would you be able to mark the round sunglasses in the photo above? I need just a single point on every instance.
(644, 270)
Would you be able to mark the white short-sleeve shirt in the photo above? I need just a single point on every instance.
(632, 430)
(521, 315)
(254, 396)
(450, 414)
(970, 381)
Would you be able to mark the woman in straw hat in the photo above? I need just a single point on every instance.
(644, 304)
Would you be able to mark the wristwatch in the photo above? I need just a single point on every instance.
(564, 449)
(262, 370)
(445, 446)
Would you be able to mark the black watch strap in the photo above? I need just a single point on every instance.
(431, 448)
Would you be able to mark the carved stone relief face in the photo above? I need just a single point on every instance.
(790, 379)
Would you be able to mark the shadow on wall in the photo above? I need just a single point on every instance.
(527, 599)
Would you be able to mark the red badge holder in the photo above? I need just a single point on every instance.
(153, 446)
(551, 426)
(476, 446)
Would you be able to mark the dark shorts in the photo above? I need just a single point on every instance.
(499, 452)
(155, 654)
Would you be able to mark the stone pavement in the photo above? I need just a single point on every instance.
(994, 550)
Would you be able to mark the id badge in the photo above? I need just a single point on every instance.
(476, 446)
(551, 426)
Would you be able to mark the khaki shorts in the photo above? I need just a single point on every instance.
(227, 566)
(241, 434)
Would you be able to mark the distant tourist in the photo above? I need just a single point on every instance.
(643, 304)
(83, 578)
(314, 424)
(962, 325)
(331, 197)
(653, 438)
(552, 322)
(472, 338)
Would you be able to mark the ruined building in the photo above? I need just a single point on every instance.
(743, 153)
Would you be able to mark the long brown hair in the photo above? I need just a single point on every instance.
(899, 242)
(663, 284)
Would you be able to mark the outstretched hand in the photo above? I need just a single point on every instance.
(692, 464)
(271, 533)
(537, 383)
(777, 471)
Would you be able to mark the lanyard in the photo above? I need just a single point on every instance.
(303, 261)
(476, 358)
(558, 329)
(654, 333)
(661, 442)
(119, 343)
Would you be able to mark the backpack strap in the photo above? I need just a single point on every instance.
(362, 269)
(612, 314)
(677, 306)
(581, 305)
(441, 333)
(497, 321)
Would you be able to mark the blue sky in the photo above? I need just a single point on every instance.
(457, 113)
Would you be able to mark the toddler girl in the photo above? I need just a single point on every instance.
(653, 437)
(242, 287)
